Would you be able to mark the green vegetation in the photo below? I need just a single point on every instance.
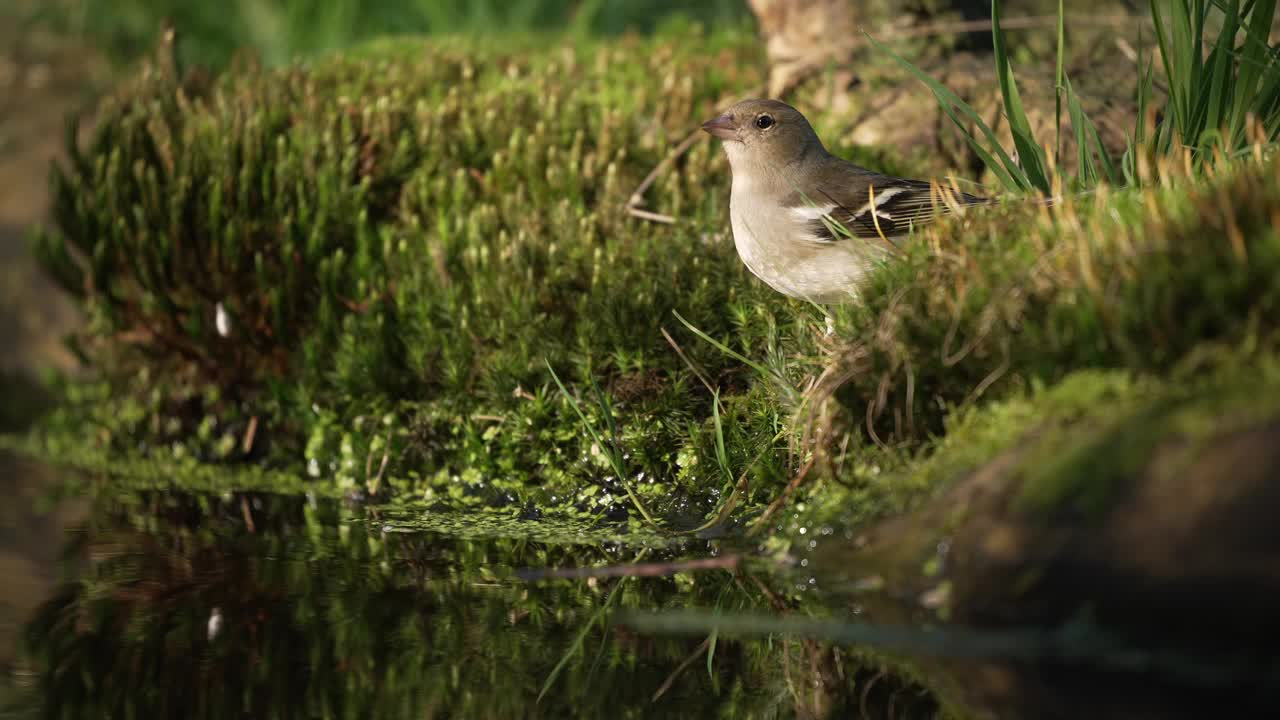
(278, 31)
(399, 242)
(1212, 99)
(291, 608)
(407, 273)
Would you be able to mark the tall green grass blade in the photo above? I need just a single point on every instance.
(1255, 61)
(768, 372)
(1222, 70)
(1058, 88)
(1089, 145)
(722, 456)
(1030, 155)
(1137, 146)
(1010, 174)
(1173, 71)
(576, 646)
(610, 451)
(711, 654)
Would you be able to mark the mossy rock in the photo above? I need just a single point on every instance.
(1113, 511)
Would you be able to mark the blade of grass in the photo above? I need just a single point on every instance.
(722, 456)
(1255, 60)
(576, 646)
(782, 382)
(1010, 174)
(1058, 89)
(1089, 144)
(610, 452)
(735, 497)
(1030, 155)
(1222, 68)
(1172, 70)
(711, 654)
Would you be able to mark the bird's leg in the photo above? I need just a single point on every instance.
(831, 326)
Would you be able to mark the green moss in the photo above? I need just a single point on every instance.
(1167, 285)
(1138, 279)
(1073, 448)
(1081, 474)
(403, 238)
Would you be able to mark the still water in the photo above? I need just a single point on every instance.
(156, 604)
(136, 602)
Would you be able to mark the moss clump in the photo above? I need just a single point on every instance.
(371, 259)
(1138, 279)
(1165, 286)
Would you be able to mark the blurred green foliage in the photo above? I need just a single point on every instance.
(280, 30)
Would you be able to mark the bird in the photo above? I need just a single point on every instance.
(809, 224)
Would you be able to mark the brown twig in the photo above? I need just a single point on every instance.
(786, 493)
(635, 202)
(657, 569)
(694, 368)
(650, 216)
(247, 513)
(637, 195)
(666, 684)
(251, 432)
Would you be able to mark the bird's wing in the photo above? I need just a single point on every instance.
(864, 205)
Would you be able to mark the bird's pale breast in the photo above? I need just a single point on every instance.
(778, 246)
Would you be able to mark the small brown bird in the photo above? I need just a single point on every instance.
(808, 223)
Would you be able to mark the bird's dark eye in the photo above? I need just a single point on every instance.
(764, 122)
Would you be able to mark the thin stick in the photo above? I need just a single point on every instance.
(696, 370)
(246, 445)
(666, 684)
(247, 513)
(786, 493)
(635, 202)
(637, 196)
(651, 216)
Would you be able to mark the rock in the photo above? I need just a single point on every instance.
(1137, 555)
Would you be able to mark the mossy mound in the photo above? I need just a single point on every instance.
(376, 256)
(361, 270)
(1167, 284)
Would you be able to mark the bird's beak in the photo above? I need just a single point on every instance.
(722, 127)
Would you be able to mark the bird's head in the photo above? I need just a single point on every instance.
(763, 134)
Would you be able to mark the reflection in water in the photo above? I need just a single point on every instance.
(268, 606)
(257, 605)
